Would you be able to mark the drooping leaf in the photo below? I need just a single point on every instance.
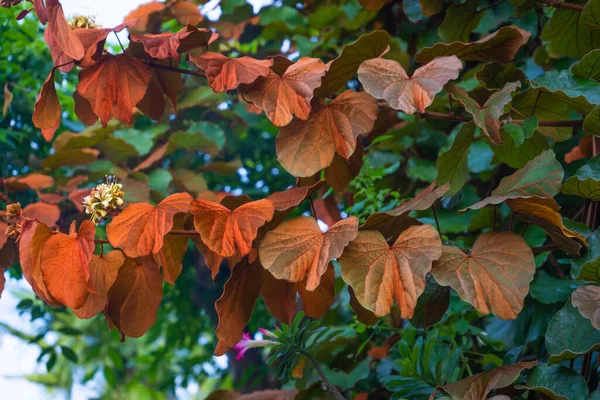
(431, 306)
(172, 45)
(305, 147)
(171, 255)
(587, 300)
(114, 85)
(140, 229)
(134, 298)
(556, 382)
(230, 232)
(283, 97)
(380, 274)
(316, 303)
(459, 21)
(587, 266)
(47, 111)
(298, 250)
(540, 177)
(494, 277)
(586, 181)
(479, 386)
(500, 46)
(496, 75)
(570, 335)
(226, 74)
(452, 166)
(279, 296)
(237, 302)
(386, 79)
(487, 116)
(344, 67)
(63, 35)
(65, 264)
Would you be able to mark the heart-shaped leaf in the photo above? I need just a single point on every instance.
(226, 74)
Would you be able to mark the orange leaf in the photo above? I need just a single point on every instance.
(62, 34)
(58, 56)
(83, 110)
(186, 12)
(305, 147)
(77, 196)
(144, 15)
(237, 302)
(114, 85)
(230, 232)
(140, 229)
(46, 213)
(40, 10)
(495, 277)
(47, 110)
(379, 273)
(297, 249)
(103, 274)
(31, 181)
(226, 74)
(283, 97)
(51, 198)
(172, 45)
(387, 80)
(317, 303)
(155, 156)
(65, 264)
(587, 301)
(134, 298)
(171, 255)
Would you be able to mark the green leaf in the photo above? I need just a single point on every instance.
(431, 305)
(347, 380)
(70, 158)
(205, 137)
(548, 289)
(586, 267)
(142, 140)
(431, 7)
(591, 122)
(591, 15)
(570, 335)
(568, 34)
(459, 21)
(520, 133)
(556, 382)
(496, 75)
(586, 181)
(452, 166)
(69, 354)
(581, 93)
(588, 66)
(595, 395)
(201, 96)
(421, 169)
(344, 68)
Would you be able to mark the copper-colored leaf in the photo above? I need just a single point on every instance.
(134, 298)
(140, 18)
(114, 85)
(46, 213)
(40, 10)
(65, 264)
(3, 237)
(362, 314)
(47, 110)
(104, 270)
(51, 198)
(186, 12)
(387, 80)
(172, 45)
(33, 181)
(62, 34)
(279, 296)
(83, 110)
(230, 232)
(140, 229)
(171, 255)
(479, 386)
(500, 46)
(33, 238)
(587, 301)
(495, 277)
(283, 97)
(237, 302)
(316, 303)
(543, 212)
(226, 74)
(380, 274)
(298, 250)
(154, 157)
(305, 147)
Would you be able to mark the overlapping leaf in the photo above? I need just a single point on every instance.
(587, 300)
(47, 110)
(387, 80)
(298, 250)
(172, 45)
(586, 181)
(226, 74)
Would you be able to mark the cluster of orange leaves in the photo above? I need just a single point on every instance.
(268, 256)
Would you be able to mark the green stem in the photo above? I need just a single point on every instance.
(324, 381)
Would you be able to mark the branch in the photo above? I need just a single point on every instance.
(565, 5)
(457, 118)
(324, 381)
(175, 69)
(546, 247)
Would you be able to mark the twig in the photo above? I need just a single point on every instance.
(494, 218)
(457, 118)
(563, 4)
(510, 221)
(491, 6)
(324, 381)
(175, 69)
(119, 40)
(437, 223)
(544, 248)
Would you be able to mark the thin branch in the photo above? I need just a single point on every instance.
(324, 381)
(544, 248)
(437, 223)
(457, 118)
(175, 69)
(491, 6)
(563, 4)
(119, 40)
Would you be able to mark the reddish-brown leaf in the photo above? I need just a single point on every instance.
(143, 16)
(114, 85)
(155, 156)
(237, 302)
(365, 316)
(283, 97)
(140, 229)
(171, 255)
(49, 214)
(172, 45)
(63, 62)
(3, 237)
(33, 181)
(134, 298)
(387, 80)
(230, 232)
(186, 12)
(298, 250)
(62, 34)
(65, 264)
(226, 74)
(51, 198)
(495, 277)
(83, 110)
(317, 302)
(279, 296)
(103, 274)
(2, 281)
(305, 147)
(380, 274)
(77, 196)
(40, 10)
(47, 110)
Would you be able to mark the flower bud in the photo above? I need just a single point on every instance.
(13, 210)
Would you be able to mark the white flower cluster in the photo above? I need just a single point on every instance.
(104, 200)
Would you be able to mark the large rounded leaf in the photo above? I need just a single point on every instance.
(226, 74)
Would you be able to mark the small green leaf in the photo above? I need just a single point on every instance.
(586, 181)
(588, 66)
(587, 266)
(548, 290)
(69, 354)
(520, 133)
(459, 21)
(452, 166)
(556, 382)
(496, 75)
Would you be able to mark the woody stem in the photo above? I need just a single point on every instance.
(565, 5)
(175, 69)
